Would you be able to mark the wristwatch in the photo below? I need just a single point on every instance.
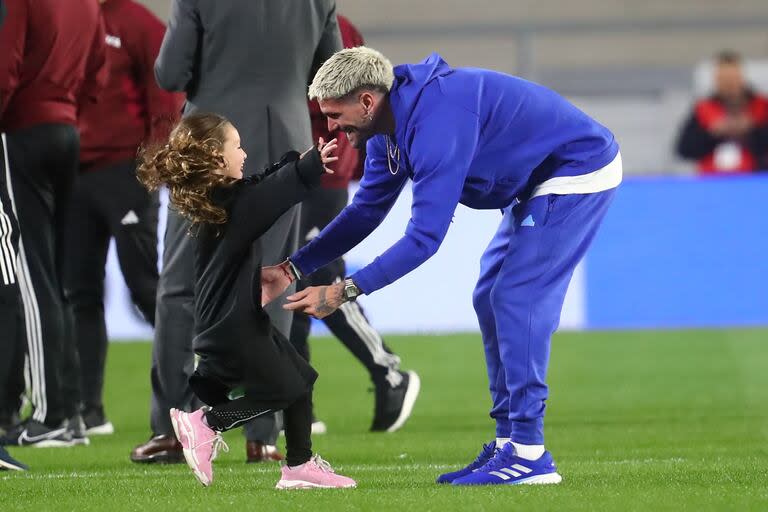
(293, 270)
(351, 291)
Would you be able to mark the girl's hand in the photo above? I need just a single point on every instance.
(326, 152)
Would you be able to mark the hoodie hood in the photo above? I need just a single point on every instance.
(410, 80)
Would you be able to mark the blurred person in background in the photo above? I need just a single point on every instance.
(10, 300)
(728, 131)
(11, 312)
(489, 141)
(250, 62)
(53, 60)
(107, 199)
(395, 391)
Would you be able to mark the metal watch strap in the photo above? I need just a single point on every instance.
(294, 269)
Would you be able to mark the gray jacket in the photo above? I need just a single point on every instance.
(250, 61)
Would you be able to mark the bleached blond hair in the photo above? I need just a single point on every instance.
(349, 70)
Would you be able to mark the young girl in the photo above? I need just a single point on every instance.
(237, 345)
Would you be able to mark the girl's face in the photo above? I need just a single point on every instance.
(234, 156)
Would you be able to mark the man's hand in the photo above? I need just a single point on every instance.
(318, 301)
(274, 281)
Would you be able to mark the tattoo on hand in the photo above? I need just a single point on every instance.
(323, 307)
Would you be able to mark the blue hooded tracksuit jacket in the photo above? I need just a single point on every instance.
(486, 140)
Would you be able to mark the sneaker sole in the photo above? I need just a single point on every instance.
(101, 430)
(83, 441)
(302, 484)
(4, 464)
(52, 443)
(411, 394)
(549, 478)
(189, 454)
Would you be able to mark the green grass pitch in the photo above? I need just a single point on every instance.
(674, 420)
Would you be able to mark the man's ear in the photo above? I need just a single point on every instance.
(368, 100)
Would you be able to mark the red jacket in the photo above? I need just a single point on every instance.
(132, 108)
(52, 59)
(349, 166)
(698, 142)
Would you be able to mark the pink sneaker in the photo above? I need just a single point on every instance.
(315, 473)
(200, 442)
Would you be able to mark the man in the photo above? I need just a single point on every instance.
(489, 141)
(250, 62)
(108, 201)
(728, 131)
(395, 391)
(53, 60)
(11, 315)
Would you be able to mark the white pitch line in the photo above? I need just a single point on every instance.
(355, 468)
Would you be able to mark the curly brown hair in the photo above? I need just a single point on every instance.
(186, 165)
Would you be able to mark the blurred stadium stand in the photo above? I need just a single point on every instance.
(629, 64)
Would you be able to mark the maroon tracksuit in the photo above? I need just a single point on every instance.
(52, 60)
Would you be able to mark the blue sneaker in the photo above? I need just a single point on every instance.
(8, 462)
(507, 468)
(487, 453)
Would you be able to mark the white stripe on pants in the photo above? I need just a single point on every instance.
(36, 363)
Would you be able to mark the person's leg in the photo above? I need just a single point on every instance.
(277, 244)
(133, 218)
(529, 293)
(129, 213)
(552, 233)
(200, 433)
(87, 239)
(396, 391)
(41, 181)
(173, 358)
(490, 264)
(11, 314)
(172, 354)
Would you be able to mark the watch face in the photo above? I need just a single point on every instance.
(351, 291)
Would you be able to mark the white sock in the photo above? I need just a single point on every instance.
(529, 451)
(500, 442)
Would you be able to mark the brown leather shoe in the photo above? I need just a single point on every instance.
(163, 449)
(260, 452)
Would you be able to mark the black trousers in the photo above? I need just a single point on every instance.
(349, 323)
(43, 161)
(226, 414)
(106, 203)
(11, 311)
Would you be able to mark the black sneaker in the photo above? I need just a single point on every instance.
(11, 436)
(7, 462)
(42, 436)
(76, 429)
(96, 423)
(394, 404)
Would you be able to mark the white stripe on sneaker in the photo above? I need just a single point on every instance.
(522, 468)
(511, 472)
(500, 475)
(411, 394)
